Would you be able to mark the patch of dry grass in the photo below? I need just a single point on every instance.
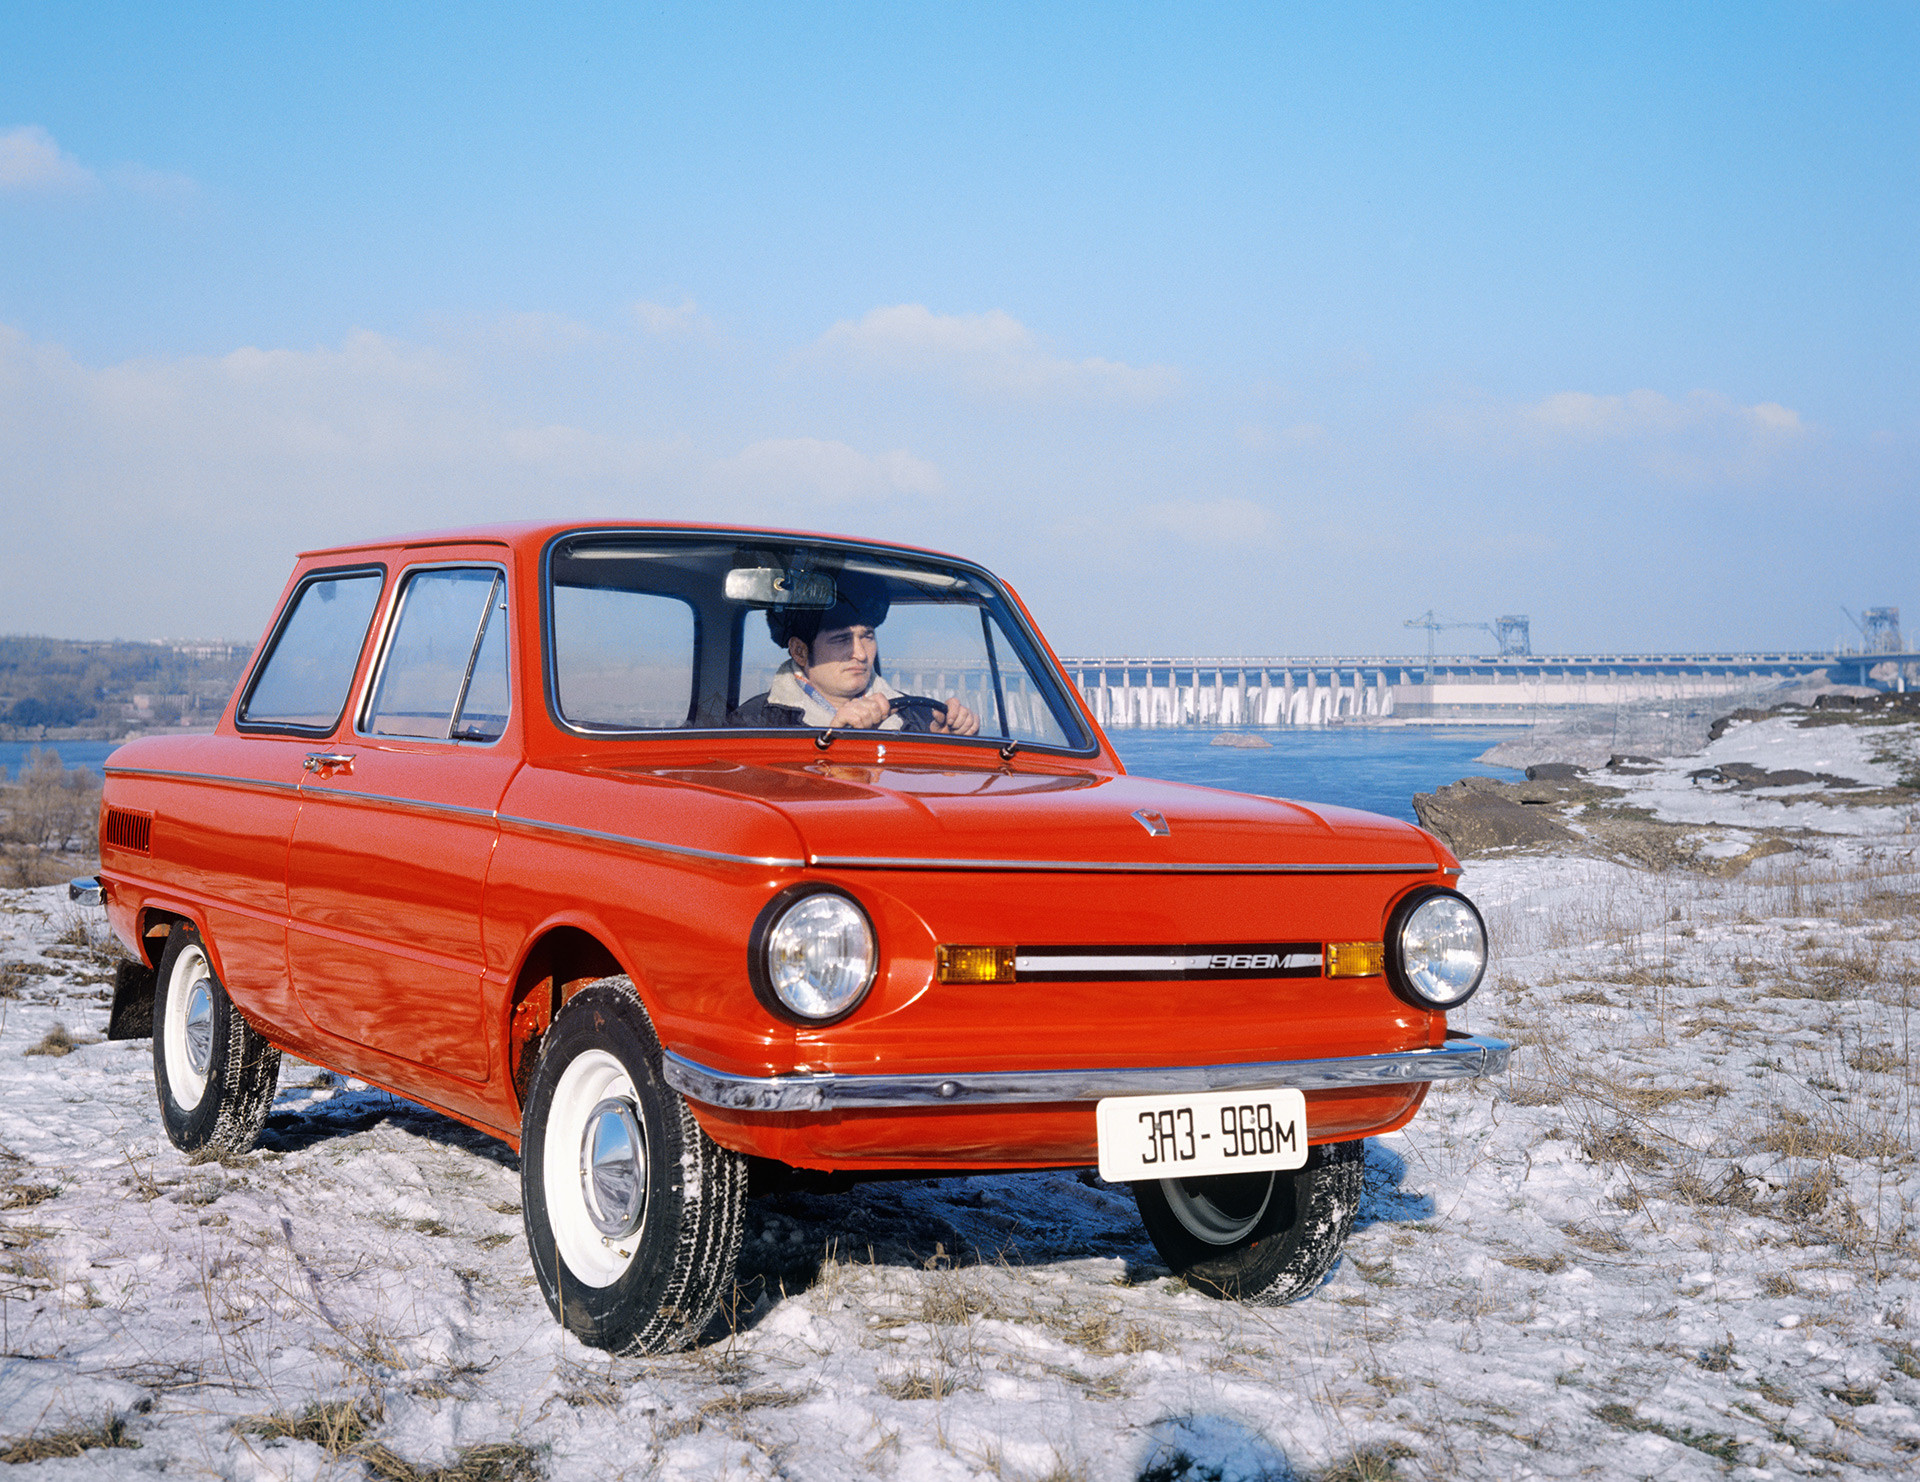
(932, 1382)
(109, 1434)
(1368, 1464)
(340, 1427)
(25, 1195)
(58, 1041)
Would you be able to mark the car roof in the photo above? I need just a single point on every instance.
(533, 534)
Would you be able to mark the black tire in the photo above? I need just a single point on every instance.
(1256, 1237)
(214, 1074)
(654, 1285)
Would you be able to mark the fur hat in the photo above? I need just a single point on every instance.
(862, 599)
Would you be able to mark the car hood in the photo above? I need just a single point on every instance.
(919, 815)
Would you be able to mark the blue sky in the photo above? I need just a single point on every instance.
(1215, 329)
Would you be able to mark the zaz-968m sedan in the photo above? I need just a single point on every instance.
(655, 851)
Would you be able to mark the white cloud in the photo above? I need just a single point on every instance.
(226, 465)
(810, 469)
(1208, 522)
(681, 322)
(1640, 415)
(992, 352)
(1703, 437)
(31, 160)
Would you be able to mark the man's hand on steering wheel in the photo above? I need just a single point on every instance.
(864, 713)
(958, 721)
(871, 709)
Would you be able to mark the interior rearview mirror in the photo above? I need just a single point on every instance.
(775, 586)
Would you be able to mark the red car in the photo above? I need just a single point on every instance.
(662, 852)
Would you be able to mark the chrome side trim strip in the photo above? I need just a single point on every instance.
(1460, 1058)
(1111, 867)
(259, 784)
(347, 794)
(538, 825)
(687, 850)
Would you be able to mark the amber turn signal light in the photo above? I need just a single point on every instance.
(973, 964)
(1356, 959)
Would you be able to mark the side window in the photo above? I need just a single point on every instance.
(623, 660)
(445, 672)
(302, 685)
(1025, 711)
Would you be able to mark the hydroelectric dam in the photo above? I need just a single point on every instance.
(1514, 689)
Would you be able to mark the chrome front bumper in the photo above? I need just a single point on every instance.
(1461, 1057)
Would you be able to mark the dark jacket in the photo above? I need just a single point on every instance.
(762, 711)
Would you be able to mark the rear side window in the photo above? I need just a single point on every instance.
(444, 677)
(302, 684)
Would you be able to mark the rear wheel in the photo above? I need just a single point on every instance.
(634, 1215)
(1265, 1238)
(215, 1076)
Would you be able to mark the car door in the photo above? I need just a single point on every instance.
(396, 829)
(230, 809)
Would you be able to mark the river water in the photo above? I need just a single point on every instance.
(1378, 768)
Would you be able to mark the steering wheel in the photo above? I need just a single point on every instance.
(918, 709)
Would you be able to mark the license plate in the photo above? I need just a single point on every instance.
(1200, 1133)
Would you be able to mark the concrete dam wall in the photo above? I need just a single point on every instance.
(1518, 690)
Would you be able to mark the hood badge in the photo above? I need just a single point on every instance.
(1154, 823)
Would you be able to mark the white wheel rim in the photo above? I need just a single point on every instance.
(188, 1029)
(1225, 1223)
(569, 1177)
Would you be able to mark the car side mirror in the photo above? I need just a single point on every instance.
(775, 586)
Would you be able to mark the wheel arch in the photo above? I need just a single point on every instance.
(155, 923)
(556, 962)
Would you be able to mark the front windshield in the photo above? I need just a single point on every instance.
(656, 632)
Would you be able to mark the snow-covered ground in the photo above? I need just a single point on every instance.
(1677, 1240)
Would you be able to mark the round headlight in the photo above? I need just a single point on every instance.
(816, 954)
(1436, 948)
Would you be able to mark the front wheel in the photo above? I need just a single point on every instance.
(214, 1074)
(1265, 1238)
(634, 1215)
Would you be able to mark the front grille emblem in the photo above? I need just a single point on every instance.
(1154, 823)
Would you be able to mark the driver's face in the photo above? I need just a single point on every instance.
(840, 664)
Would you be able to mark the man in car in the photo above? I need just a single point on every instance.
(832, 673)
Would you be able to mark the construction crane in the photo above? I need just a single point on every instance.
(1511, 632)
(1879, 629)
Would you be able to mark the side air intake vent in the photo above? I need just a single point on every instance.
(125, 829)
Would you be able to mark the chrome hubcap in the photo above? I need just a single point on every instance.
(200, 1025)
(1223, 1210)
(612, 1180)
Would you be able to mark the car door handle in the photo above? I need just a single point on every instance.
(328, 762)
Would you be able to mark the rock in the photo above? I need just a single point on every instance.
(1720, 727)
(1745, 777)
(1887, 702)
(1243, 740)
(1531, 750)
(1477, 815)
(1553, 772)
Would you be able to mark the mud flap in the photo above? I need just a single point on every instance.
(131, 1016)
